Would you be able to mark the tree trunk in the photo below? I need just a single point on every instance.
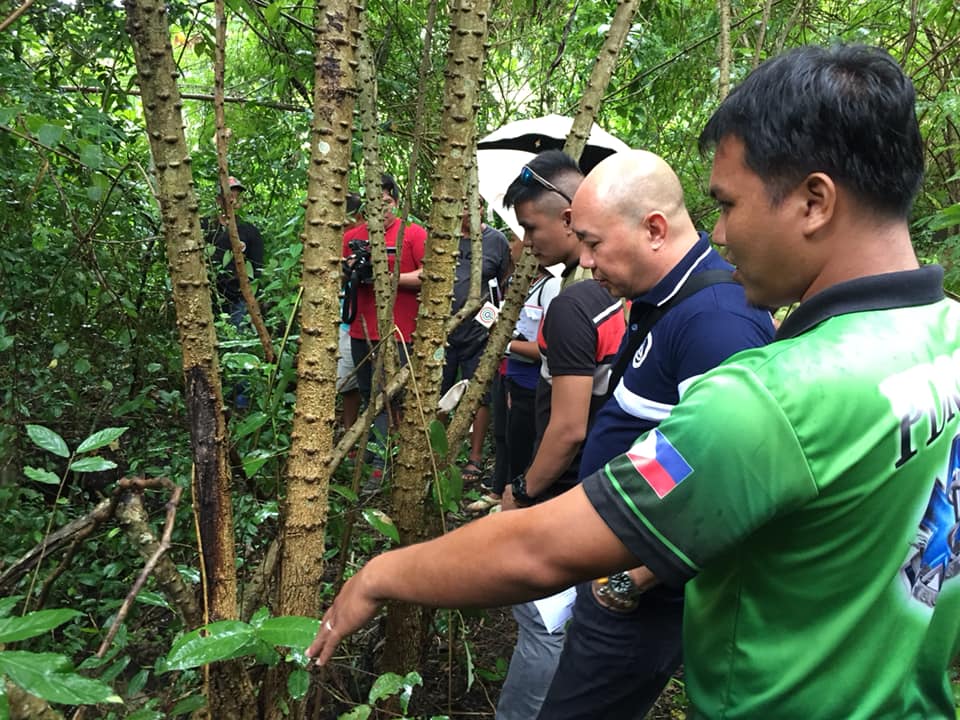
(600, 77)
(406, 624)
(723, 84)
(309, 469)
(150, 34)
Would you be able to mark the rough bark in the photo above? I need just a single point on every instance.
(464, 72)
(384, 283)
(309, 469)
(149, 31)
(600, 77)
(723, 84)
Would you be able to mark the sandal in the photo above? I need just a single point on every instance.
(484, 504)
(471, 471)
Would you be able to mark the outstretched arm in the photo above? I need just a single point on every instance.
(539, 551)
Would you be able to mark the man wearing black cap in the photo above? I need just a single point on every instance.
(229, 299)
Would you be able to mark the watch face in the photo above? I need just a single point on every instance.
(621, 584)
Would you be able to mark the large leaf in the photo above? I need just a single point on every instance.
(92, 464)
(392, 684)
(48, 440)
(33, 624)
(100, 439)
(224, 640)
(298, 683)
(289, 631)
(379, 520)
(438, 438)
(46, 675)
(41, 476)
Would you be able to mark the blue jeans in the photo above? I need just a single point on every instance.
(615, 664)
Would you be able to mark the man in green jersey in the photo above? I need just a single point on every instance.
(807, 494)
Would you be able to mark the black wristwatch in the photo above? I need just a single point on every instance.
(519, 486)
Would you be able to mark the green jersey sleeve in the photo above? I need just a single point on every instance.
(725, 462)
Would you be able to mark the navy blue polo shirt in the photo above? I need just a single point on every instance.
(696, 335)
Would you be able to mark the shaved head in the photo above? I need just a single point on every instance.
(634, 183)
(631, 220)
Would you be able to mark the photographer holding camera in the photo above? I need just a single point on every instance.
(360, 302)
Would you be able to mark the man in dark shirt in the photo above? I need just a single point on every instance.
(228, 298)
(467, 341)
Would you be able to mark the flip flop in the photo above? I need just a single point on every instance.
(471, 472)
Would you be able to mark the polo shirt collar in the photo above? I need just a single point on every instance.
(674, 280)
(874, 292)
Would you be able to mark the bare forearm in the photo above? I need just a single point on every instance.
(556, 451)
(539, 550)
(525, 348)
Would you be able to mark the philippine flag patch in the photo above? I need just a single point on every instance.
(659, 463)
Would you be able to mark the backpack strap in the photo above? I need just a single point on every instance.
(694, 284)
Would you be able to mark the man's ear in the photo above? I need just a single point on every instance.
(656, 224)
(567, 217)
(819, 196)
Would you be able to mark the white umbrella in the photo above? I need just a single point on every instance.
(502, 153)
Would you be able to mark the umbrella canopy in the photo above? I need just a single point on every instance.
(502, 153)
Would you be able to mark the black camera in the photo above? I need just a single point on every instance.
(358, 266)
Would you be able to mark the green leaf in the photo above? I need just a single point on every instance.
(271, 12)
(360, 712)
(379, 520)
(189, 704)
(254, 461)
(289, 631)
(48, 440)
(50, 135)
(438, 438)
(7, 604)
(46, 675)
(344, 492)
(392, 684)
(100, 439)
(81, 366)
(91, 156)
(92, 464)
(148, 597)
(60, 349)
(33, 624)
(298, 683)
(9, 113)
(146, 714)
(225, 640)
(250, 423)
(4, 705)
(42, 476)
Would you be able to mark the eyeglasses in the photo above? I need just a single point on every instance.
(528, 177)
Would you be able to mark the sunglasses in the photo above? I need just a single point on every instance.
(529, 177)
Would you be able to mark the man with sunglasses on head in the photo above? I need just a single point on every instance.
(578, 337)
